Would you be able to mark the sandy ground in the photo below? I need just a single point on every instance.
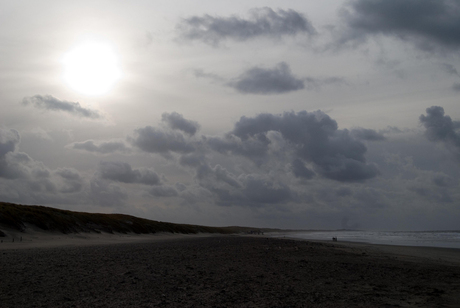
(222, 271)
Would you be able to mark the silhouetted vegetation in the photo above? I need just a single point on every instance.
(17, 217)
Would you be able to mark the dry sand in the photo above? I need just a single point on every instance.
(222, 271)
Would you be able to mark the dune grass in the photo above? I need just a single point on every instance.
(17, 217)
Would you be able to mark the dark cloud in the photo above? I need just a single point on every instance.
(31, 174)
(390, 130)
(193, 160)
(199, 73)
(18, 165)
(429, 24)
(443, 181)
(432, 194)
(366, 134)
(180, 187)
(334, 153)
(370, 198)
(163, 191)
(71, 179)
(344, 192)
(267, 81)
(276, 80)
(300, 171)
(220, 174)
(346, 224)
(106, 194)
(49, 102)
(208, 176)
(456, 87)
(254, 147)
(177, 121)
(244, 190)
(450, 69)
(9, 139)
(13, 164)
(258, 189)
(441, 128)
(253, 191)
(123, 172)
(263, 22)
(105, 147)
(153, 140)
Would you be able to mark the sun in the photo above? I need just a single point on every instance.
(91, 68)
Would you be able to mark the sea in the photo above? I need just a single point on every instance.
(445, 239)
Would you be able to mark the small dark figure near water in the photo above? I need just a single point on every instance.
(334, 239)
(20, 239)
(13, 239)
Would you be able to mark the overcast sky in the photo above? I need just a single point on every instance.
(288, 114)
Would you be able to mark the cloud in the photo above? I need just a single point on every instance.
(254, 147)
(251, 190)
(154, 140)
(9, 139)
(429, 194)
(71, 179)
(30, 175)
(429, 24)
(314, 137)
(177, 121)
(163, 191)
(107, 194)
(123, 172)
(315, 83)
(199, 73)
(441, 128)
(248, 190)
(105, 147)
(16, 165)
(267, 81)
(450, 69)
(366, 134)
(442, 180)
(263, 22)
(344, 192)
(208, 176)
(258, 189)
(300, 171)
(13, 164)
(456, 87)
(48, 102)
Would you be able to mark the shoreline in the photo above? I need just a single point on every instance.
(33, 239)
(435, 254)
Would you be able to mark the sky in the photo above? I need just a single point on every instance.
(285, 114)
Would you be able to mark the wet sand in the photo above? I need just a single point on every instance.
(227, 271)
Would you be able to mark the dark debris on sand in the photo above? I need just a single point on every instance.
(226, 271)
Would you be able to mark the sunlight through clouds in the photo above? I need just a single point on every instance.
(91, 68)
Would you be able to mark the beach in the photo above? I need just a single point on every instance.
(225, 271)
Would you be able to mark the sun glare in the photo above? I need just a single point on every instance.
(91, 68)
